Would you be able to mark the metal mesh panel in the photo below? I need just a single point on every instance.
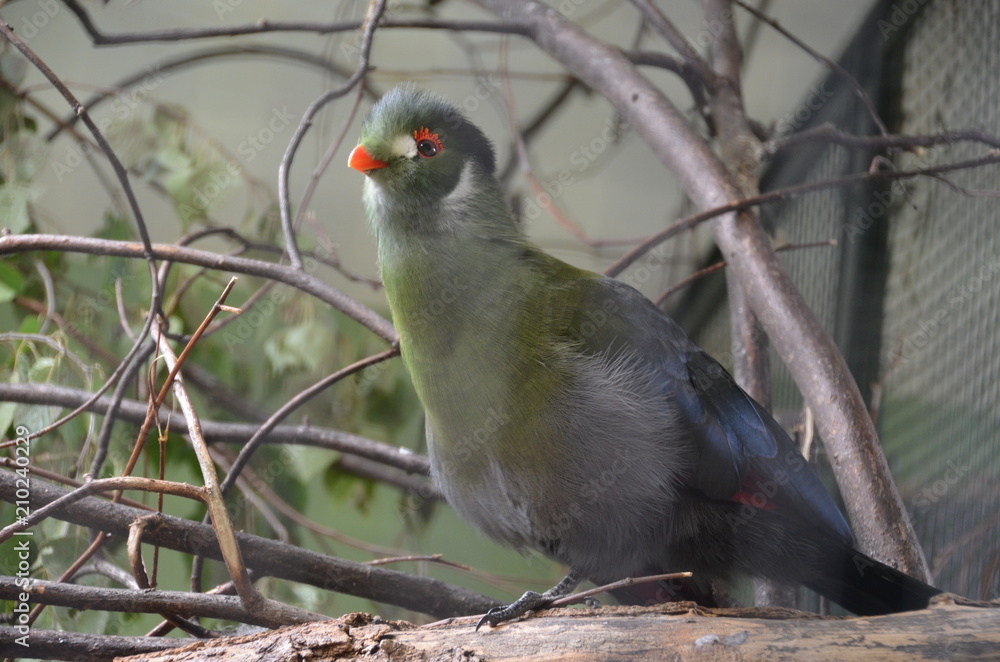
(941, 357)
(815, 271)
(911, 293)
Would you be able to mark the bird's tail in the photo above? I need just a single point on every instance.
(867, 587)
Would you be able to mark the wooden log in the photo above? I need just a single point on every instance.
(950, 629)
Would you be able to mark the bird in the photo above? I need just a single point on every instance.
(568, 414)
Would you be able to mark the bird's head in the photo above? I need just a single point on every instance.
(417, 148)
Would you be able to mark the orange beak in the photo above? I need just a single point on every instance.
(361, 161)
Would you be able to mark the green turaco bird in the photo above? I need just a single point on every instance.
(568, 414)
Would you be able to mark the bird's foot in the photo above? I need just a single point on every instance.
(530, 600)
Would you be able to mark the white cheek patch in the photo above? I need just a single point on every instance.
(404, 145)
(463, 189)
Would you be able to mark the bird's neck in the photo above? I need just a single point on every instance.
(438, 285)
(459, 300)
(444, 260)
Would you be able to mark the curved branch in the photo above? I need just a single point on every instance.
(184, 34)
(258, 437)
(263, 556)
(181, 603)
(284, 274)
(234, 433)
(375, 11)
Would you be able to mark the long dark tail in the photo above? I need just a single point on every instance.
(867, 587)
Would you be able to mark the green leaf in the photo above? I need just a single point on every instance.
(11, 280)
(30, 324)
(42, 369)
(308, 462)
(14, 199)
(7, 410)
(296, 348)
(115, 227)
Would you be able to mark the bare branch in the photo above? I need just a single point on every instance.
(375, 10)
(826, 62)
(265, 557)
(76, 646)
(828, 133)
(680, 225)
(147, 601)
(218, 432)
(273, 613)
(281, 273)
(263, 26)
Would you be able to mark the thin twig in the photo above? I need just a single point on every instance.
(722, 264)
(296, 278)
(623, 583)
(688, 222)
(264, 26)
(300, 399)
(234, 433)
(844, 74)
(324, 162)
(663, 25)
(375, 11)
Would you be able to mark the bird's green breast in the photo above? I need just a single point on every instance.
(481, 340)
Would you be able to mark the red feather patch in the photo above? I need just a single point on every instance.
(425, 134)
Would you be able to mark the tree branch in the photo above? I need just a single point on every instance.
(264, 26)
(265, 557)
(182, 603)
(284, 274)
(218, 432)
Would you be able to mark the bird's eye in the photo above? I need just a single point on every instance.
(428, 144)
(427, 148)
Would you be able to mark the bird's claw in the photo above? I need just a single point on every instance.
(489, 617)
(519, 607)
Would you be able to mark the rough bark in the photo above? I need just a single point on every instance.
(946, 630)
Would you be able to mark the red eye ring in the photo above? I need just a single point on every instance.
(428, 144)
